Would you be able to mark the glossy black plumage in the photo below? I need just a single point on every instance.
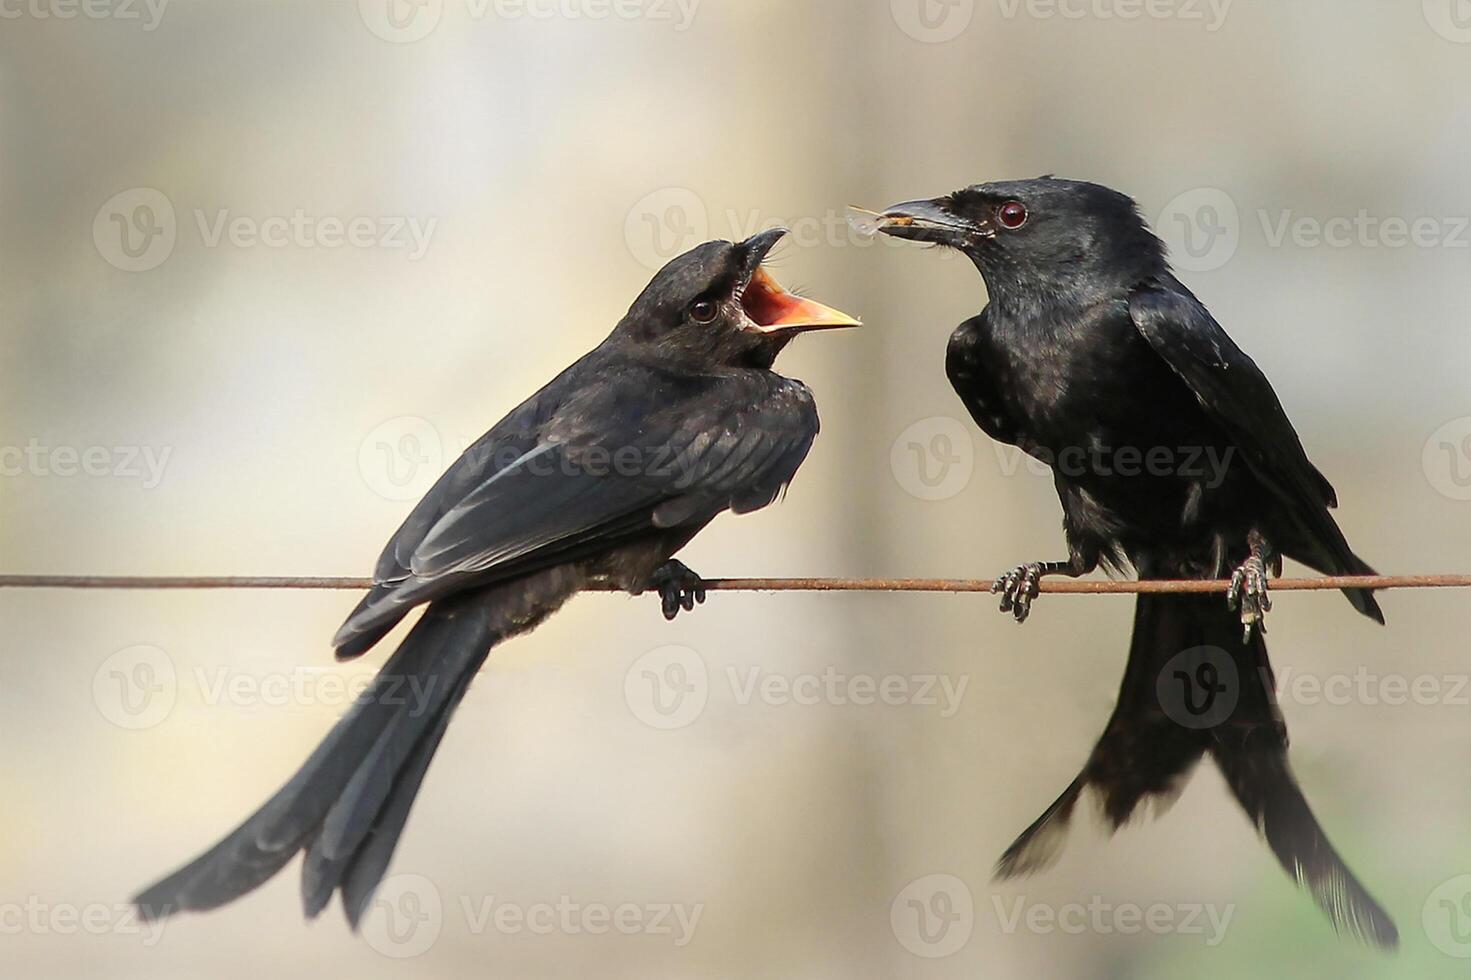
(597, 478)
(1094, 358)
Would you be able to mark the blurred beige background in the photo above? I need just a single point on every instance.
(225, 351)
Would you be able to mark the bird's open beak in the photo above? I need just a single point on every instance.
(930, 221)
(771, 309)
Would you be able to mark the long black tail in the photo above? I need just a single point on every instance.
(1193, 687)
(347, 804)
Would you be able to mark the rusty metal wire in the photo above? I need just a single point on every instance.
(1048, 585)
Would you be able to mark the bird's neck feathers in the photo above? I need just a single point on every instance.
(1093, 272)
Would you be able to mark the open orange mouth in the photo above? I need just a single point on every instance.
(772, 309)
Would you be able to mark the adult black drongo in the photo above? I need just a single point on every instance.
(598, 478)
(1172, 456)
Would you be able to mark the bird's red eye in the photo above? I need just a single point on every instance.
(1012, 214)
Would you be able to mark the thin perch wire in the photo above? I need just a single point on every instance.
(1048, 585)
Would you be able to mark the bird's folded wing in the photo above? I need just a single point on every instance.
(1232, 390)
(596, 474)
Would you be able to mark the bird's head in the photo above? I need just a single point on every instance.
(1043, 234)
(717, 304)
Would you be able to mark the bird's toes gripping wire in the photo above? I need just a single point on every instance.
(1018, 588)
(1248, 593)
(679, 587)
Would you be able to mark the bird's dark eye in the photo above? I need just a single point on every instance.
(703, 311)
(1012, 214)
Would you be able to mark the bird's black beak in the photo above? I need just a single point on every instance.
(769, 308)
(931, 221)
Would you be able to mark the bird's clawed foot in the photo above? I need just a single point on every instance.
(1248, 593)
(1018, 588)
(679, 588)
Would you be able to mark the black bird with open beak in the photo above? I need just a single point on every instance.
(1172, 456)
(598, 478)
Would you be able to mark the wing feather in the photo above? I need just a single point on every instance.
(609, 463)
